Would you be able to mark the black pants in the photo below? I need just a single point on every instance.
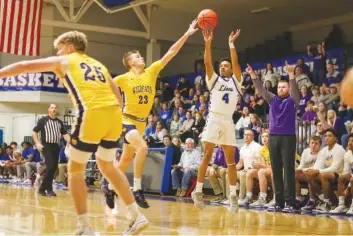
(51, 155)
(282, 154)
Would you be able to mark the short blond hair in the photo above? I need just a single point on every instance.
(126, 58)
(76, 38)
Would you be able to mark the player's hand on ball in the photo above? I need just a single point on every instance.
(234, 35)
(207, 35)
(192, 28)
(346, 88)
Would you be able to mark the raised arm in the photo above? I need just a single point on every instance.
(258, 85)
(173, 51)
(234, 56)
(323, 48)
(208, 37)
(308, 49)
(293, 86)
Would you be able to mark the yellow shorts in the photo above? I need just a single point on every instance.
(130, 124)
(96, 127)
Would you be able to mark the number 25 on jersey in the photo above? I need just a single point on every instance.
(92, 72)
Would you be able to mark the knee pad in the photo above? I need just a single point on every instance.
(106, 154)
(79, 156)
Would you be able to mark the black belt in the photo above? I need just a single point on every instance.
(135, 118)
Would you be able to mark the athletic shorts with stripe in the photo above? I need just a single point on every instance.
(97, 127)
(132, 124)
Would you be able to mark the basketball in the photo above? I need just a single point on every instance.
(346, 89)
(207, 19)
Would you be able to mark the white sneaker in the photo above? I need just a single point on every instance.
(350, 211)
(272, 203)
(261, 202)
(234, 206)
(27, 182)
(245, 202)
(83, 230)
(137, 226)
(198, 199)
(339, 209)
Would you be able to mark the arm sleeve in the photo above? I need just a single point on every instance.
(210, 82)
(39, 125)
(294, 91)
(154, 70)
(264, 93)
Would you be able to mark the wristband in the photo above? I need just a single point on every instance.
(231, 45)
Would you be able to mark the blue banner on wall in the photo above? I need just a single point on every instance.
(33, 82)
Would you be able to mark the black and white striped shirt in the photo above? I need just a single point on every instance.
(50, 129)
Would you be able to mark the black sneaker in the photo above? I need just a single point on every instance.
(51, 193)
(310, 205)
(42, 193)
(140, 199)
(292, 208)
(276, 207)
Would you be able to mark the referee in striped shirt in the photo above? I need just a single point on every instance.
(51, 130)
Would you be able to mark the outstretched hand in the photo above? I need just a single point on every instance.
(249, 69)
(234, 35)
(192, 28)
(207, 35)
(290, 70)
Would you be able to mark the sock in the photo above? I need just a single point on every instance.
(301, 199)
(326, 200)
(233, 190)
(249, 194)
(199, 187)
(82, 219)
(263, 195)
(137, 184)
(341, 200)
(133, 211)
(321, 196)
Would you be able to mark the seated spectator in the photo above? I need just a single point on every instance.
(9, 162)
(238, 113)
(246, 95)
(309, 114)
(316, 95)
(304, 98)
(271, 75)
(255, 125)
(194, 102)
(323, 94)
(185, 129)
(320, 132)
(301, 78)
(270, 88)
(252, 103)
(263, 162)
(183, 87)
(182, 114)
(260, 107)
(15, 147)
(167, 92)
(20, 167)
(156, 107)
(62, 167)
(344, 179)
(186, 168)
(197, 127)
(248, 84)
(344, 138)
(321, 109)
(333, 99)
(32, 161)
(249, 153)
(333, 122)
(305, 68)
(189, 99)
(206, 94)
(328, 165)
(307, 161)
(243, 122)
(175, 125)
(202, 101)
(203, 111)
(332, 76)
(151, 126)
(165, 114)
(156, 139)
(219, 170)
(177, 101)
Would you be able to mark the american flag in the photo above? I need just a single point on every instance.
(20, 22)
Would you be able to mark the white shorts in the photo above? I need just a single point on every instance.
(219, 130)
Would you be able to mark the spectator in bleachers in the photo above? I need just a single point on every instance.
(156, 107)
(165, 114)
(316, 95)
(270, 75)
(261, 107)
(321, 109)
(320, 132)
(301, 78)
(199, 89)
(333, 122)
(197, 127)
(243, 122)
(174, 107)
(202, 101)
(344, 138)
(246, 96)
(332, 76)
(270, 88)
(301, 64)
(186, 168)
(167, 92)
(326, 170)
(9, 161)
(323, 94)
(194, 102)
(252, 103)
(151, 126)
(183, 87)
(255, 125)
(309, 114)
(308, 160)
(238, 112)
(333, 99)
(156, 138)
(249, 153)
(247, 83)
(182, 114)
(159, 90)
(15, 147)
(177, 96)
(206, 94)
(32, 161)
(344, 179)
(219, 170)
(304, 98)
(62, 167)
(185, 129)
(175, 125)
(203, 111)
(319, 69)
(263, 162)
(189, 99)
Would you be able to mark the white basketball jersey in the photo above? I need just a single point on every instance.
(224, 96)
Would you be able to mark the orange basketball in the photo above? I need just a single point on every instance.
(207, 19)
(346, 88)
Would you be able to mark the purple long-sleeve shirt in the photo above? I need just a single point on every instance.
(220, 159)
(282, 110)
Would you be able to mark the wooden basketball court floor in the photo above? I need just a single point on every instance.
(23, 212)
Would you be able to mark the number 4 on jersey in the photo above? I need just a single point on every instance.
(225, 98)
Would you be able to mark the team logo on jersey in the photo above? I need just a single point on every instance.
(142, 89)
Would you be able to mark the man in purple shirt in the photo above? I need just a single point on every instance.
(282, 143)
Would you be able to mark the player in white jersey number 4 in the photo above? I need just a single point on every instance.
(219, 126)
